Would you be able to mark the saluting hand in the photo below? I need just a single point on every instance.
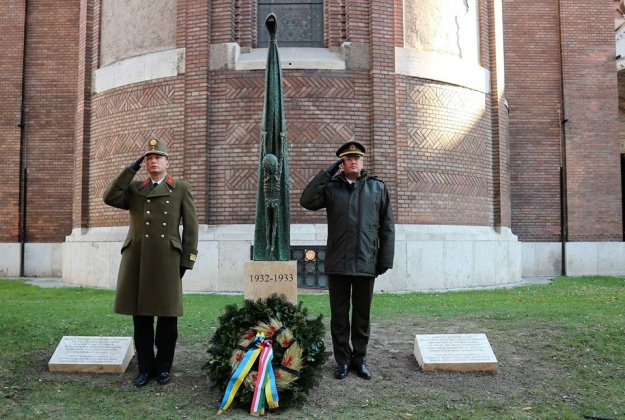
(334, 167)
(137, 165)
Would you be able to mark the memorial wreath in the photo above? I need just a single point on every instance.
(266, 352)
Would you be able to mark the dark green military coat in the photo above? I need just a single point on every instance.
(149, 281)
(361, 230)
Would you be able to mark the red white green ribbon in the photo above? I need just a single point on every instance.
(265, 382)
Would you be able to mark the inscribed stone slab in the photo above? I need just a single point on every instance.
(262, 278)
(454, 352)
(92, 354)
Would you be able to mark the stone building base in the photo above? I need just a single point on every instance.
(428, 257)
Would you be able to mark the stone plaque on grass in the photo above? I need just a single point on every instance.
(454, 352)
(262, 278)
(92, 354)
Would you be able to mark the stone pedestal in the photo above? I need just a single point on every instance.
(92, 354)
(263, 278)
(454, 352)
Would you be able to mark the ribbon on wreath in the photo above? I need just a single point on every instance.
(265, 380)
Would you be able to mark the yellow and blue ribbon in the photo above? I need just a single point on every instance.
(265, 381)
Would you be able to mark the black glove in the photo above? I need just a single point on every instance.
(380, 270)
(182, 271)
(137, 165)
(334, 167)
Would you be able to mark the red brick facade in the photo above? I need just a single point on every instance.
(12, 21)
(496, 164)
(49, 100)
(560, 67)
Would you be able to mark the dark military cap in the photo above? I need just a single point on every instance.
(156, 147)
(351, 148)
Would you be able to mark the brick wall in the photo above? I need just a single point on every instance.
(50, 100)
(591, 132)
(75, 142)
(12, 20)
(323, 110)
(541, 84)
(444, 155)
(533, 92)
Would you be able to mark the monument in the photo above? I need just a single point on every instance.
(271, 270)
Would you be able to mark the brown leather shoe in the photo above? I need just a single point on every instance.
(341, 371)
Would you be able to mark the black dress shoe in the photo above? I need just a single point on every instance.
(163, 378)
(362, 371)
(142, 379)
(341, 371)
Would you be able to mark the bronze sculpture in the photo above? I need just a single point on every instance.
(272, 228)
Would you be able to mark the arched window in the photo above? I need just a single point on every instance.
(300, 22)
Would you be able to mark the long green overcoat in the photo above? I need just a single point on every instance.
(154, 252)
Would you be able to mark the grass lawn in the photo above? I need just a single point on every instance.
(560, 348)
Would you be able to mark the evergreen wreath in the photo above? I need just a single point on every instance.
(298, 348)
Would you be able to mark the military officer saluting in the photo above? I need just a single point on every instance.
(155, 257)
(360, 247)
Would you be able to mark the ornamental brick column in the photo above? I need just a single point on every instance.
(383, 156)
(194, 35)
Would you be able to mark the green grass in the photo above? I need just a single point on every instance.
(561, 348)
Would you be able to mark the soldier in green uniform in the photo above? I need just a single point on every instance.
(360, 247)
(154, 257)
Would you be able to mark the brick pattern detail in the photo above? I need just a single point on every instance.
(119, 138)
(426, 138)
(88, 54)
(129, 143)
(128, 101)
(248, 133)
(444, 152)
(441, 183)
(303, 87)
(324, 109)
(376, 23)
(334, 23)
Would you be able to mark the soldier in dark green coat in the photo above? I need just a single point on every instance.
(361, 246)
(154, 257)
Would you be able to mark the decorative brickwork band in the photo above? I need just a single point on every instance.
(440, 183)
(135, 99)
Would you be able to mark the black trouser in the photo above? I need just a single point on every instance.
(358, 290)
(164, 339)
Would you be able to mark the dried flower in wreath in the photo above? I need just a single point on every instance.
(297, 367)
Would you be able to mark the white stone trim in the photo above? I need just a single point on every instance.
(443, 68)
(229, 56)
(428, 257)
(141, 68)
